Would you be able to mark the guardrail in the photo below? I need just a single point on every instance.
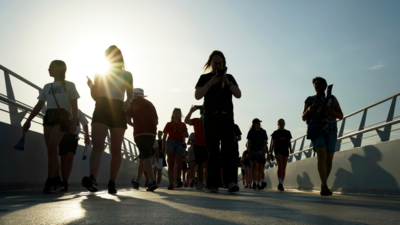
(17, 117)
(355, 136)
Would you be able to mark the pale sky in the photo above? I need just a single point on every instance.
(273, 49)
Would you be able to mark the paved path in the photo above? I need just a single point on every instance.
(188, 206)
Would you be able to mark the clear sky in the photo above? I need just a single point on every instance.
(273, 49)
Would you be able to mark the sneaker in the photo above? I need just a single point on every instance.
(325, 191)
(330, 192)
(200, 186)
(280, 187)
(263, 185)
(49, 186)
(233, 187)
(258, 187)
(90, 183)
(65, 184)
(170, 187)
(111, 187)
(152, 186)
(58, 184)
(213, 190)
(254, 186)
(135, 184)
(179, 184)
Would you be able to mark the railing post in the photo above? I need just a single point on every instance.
(108, 142)
(357, 141)
(298, 156)
(15, 116)
(340, 134)
(385, 134)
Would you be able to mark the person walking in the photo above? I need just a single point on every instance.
(321, 112)
(62, 102)
(217, 89)
(281, 145)
(199, 144)
(257, 145)
(108, 91)
(145, 120)
(161, 163)
(176, 132)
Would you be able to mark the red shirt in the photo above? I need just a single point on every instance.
(175, 130)
(144, 117)
(199, 138)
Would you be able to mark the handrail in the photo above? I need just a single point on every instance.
(20, 78)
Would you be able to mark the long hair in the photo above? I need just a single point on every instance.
(207, 66)
(115, 58)
(179, 110)
(61, 64)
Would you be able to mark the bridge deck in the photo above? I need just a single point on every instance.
(188, 206)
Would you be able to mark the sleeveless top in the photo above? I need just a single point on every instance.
(112, 86)
(329, 124)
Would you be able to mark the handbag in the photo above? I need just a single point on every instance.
(66, 120)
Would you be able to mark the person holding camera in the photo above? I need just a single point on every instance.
(62, 101)
(217, 89)
(257, 145)
(199, 145)
(321, 112)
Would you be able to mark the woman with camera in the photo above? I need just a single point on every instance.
(217, 88)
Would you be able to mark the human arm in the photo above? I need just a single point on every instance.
(290, 146)
(74, 107)
(158, 153)
(164, 142)
(94, 88)
(233, 87)
(187, 118)
(201, 91)
(129, 120)
(248, 147)
(265, 147)
(337, 113)
(39, 105)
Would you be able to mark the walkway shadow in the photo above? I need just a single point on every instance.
(304, 182)
(367, 174)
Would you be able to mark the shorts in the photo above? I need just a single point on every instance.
(145, 144)
(68, 144)
(327, 141)
(246, 166)
(159, 164)
(54, 117)
(258, 156)
(282, 152)
(200, 154)
(184, 166)
(110, 113)
(174, 146)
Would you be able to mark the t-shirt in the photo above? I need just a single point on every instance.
(236, 133)
(257, 139)
(112, 86)
(217, 99)
(175, 130)
(144, 117)
(199, 138)
(63, 97)
(81, 120)
(328, 121)
(160, 154)
(282, 138)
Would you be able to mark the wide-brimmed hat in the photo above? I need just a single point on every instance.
(256, 120)
(139, 92)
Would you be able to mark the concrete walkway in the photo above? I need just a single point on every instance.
(188, 206)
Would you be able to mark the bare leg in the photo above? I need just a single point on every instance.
(52, 150)
(171, 167)
(140, 169)
(178, 160)
(244, 180)
(99, 133)
(192, 166)
(148, 169)
(329, 160)
(200, 172)
(117, 136)
(66, 165)
(205, 165)
(284, 163)
(248, 176)
(322, 156)
(254, 169)
(159, 176)
(279, 161)
(260, 171)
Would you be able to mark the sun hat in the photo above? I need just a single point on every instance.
(139, 92)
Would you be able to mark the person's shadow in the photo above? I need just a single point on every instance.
(304, 182)
(367, 173)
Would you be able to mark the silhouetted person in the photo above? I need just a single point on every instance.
(217, 88)
(321, 114)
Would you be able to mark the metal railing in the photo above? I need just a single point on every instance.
(17, 117)
(355, 136)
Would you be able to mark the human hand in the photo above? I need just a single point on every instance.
(126, 105)
(89, 82)
(226, 80)
(215, 79)
(312, 108)
(26, 126)
(87, 139)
